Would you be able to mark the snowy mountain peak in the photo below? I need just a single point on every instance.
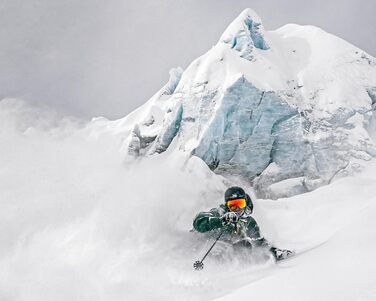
(245, 33)
(286, 119)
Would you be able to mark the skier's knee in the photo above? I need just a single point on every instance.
(244, 243)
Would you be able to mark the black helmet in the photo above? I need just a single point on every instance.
(236, 192)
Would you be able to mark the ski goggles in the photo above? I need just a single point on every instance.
(238, 203)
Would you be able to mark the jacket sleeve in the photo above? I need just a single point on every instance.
(253, 230)
(206, 221)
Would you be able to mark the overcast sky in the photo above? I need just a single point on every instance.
(106, 57)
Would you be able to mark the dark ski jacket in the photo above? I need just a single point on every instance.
(246, 227)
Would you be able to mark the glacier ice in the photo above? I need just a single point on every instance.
(170, 129)
(245, 33)
(258, 136)
(238, 138)
(175, 76)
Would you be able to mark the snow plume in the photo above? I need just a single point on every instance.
(79, 222)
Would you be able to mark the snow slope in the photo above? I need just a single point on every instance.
(87, 225)
(342, 216)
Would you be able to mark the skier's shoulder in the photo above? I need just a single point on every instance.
(217, 211)
(220, 210)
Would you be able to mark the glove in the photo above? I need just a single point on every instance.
(229, 218)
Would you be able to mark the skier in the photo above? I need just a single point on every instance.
(240, 228)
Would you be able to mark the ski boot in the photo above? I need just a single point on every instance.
(280, 254)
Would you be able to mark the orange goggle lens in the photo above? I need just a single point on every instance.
(238, 203)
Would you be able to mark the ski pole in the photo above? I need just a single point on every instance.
(198, 264)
